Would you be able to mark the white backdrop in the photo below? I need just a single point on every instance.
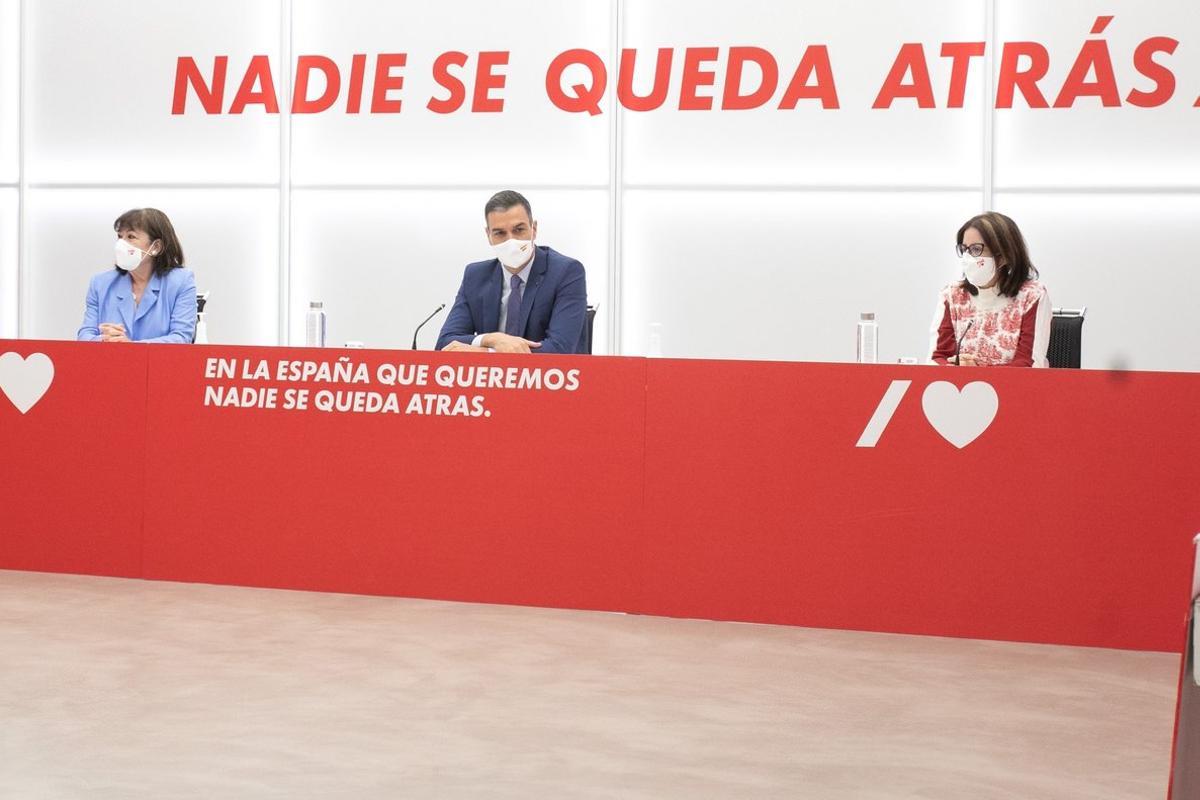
(744, 234)
(10, 159)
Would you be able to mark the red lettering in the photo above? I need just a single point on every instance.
(694, 78)
(586, 98)
(187, 73)
(662, 81)
(961, 54)
(333, 85)
(258, 74)
(1011, 79)
(386, 82)
(358, 67)
(814, 62)
(443, 78)
(738, 56)
(486, 80)
(1093, 55)
(911, 58)
(1164, 79)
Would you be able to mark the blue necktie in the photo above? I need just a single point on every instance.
(512, 324)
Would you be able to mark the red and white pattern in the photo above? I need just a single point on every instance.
(1002, 330)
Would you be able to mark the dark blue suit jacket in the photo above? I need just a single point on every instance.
(553, 306)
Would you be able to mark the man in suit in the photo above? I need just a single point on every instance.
(528, 299)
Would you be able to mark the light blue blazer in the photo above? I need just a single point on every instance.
(167, 312)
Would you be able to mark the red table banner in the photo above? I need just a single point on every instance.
(1030, 505)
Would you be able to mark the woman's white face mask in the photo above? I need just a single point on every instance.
(127, 255)
(979, 271)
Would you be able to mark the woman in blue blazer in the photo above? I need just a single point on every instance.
(149, 296)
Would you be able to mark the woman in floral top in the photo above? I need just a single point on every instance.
(998, 315)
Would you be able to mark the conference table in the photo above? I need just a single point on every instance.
(1047, 506)
(1053, 506)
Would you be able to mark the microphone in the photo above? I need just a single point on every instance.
(422, 325)
(957, 344)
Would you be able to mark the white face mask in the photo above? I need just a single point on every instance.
(513, 253)
(979, 271)
(127, 256)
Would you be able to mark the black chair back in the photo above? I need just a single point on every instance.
(201, 302)
(585, 338)
(1066, 338)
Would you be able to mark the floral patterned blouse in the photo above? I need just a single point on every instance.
(995, 330)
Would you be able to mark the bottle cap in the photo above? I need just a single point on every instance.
(316, 304)
(867, 315)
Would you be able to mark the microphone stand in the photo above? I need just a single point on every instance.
(957, 345)
(422, 325)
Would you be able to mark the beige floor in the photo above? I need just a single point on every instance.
(129, 689)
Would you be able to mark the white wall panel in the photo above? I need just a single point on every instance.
(711, 240)
(102, 77)
(10, 82)
(530, 142)
(382, 260)
(229, 239)
(854, 145)
(1129, 259)
(8, 263)
(784, 275)
(1088, 144)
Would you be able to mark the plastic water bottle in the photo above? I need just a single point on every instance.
(654, 341)
(868, 339)
(314, 325)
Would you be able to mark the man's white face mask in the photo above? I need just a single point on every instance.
(513, 253)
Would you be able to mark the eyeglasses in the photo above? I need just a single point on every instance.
(976, 250)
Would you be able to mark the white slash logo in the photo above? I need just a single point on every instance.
(960, 416)
(883, 413)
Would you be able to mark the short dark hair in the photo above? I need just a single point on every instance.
(503, 201)
(157, 226)
(1004, 239)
